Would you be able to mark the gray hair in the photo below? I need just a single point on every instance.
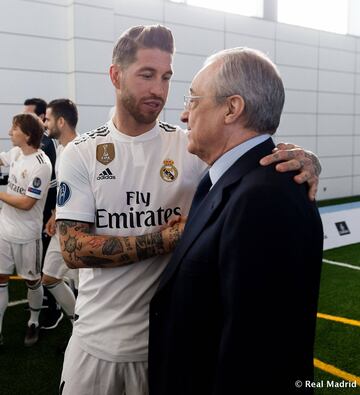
(252, 75)
(140, 37)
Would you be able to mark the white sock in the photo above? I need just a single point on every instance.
(4, 300)
(64, 296)
(35, 297)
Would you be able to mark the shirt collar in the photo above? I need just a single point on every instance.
(118, 135)
(225, 161)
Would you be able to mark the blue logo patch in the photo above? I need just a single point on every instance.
(64, 194)
(33, 190)
(36, 182)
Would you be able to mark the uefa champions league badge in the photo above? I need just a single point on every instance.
(64, 194)
(36, 182)
(105, 153)
(168, 172)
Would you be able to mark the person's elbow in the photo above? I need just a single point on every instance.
(27, 204)
(67, 259)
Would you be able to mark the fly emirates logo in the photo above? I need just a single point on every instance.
(134, 218)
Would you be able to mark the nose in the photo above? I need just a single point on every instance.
(158, 88)
(184, 116)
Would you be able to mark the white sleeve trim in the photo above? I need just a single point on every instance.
(75, 216)
(33, 195)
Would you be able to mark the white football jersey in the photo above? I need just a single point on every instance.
(124, 186)
(28, 175)
(59, 150)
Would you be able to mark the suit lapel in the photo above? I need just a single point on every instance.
(211, 202)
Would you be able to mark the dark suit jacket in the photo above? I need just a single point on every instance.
(236, 308)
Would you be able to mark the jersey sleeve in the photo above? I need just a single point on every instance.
(75, 199)
(39, 181)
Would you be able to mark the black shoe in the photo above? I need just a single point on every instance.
(32, 335)
(51, 318)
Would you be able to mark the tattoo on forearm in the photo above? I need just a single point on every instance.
(174, 237)
(72, 245)
(315, 161)
(128, 245)
(71, 265)
(95, 242)
(150, 245)
(64, 227)
(317, 167)
(82, 228)
(112, 246)
(93, 261)
(83, 249)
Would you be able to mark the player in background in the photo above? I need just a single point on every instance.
(52, 313)
(21, 216)
(60, 120)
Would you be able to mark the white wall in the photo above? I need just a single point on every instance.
(62, 48)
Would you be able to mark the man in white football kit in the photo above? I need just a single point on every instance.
(118, 184)
(60, 120)
(21, 216)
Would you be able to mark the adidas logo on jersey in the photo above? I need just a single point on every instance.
(106, 175)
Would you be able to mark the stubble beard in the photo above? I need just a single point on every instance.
(54, 133)
(132, 107)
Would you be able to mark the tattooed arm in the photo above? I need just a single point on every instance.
(80, 249)
(293, 157)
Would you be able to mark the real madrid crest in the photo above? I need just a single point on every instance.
(168, 172)
(105, 153)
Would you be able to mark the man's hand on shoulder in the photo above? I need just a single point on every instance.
(293, 157)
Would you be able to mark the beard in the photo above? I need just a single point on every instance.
(129, 102)
(54, 133)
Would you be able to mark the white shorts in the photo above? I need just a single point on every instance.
(54, 264)
(26, 258)
(84, 374)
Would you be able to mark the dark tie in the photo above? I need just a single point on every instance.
(202, 190)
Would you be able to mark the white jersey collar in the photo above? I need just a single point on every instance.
(116, 134)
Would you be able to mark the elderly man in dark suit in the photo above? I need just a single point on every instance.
(236, 308)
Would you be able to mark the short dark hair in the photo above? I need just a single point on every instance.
(30, 125)
(140, 37)
(64, 108)
(40, 105)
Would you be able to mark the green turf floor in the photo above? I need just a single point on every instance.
(36, 370)
(336, 343)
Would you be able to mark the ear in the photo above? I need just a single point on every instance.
(115, 74)
(61, 122)
(235, 109)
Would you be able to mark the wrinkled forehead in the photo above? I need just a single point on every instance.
(204, 79)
